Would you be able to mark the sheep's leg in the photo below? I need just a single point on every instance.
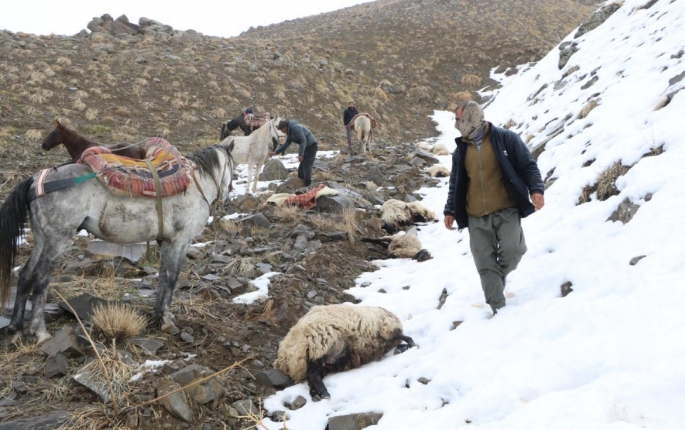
(315, 372)
(409, 343)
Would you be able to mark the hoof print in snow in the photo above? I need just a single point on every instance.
(566, 288)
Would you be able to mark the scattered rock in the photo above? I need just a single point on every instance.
(625, 212)
(298, 403)
(148, 344)
(64, 342)
(426, 156)
(566, 288)
(245, 407)
(353, 421)
(274, 170)
(174, 403)
(19, 388)
(635, 260)
(133, 252)
(456, 324)
(567, 50)
(95, 384)
(597, 19)
(203, 393)
(53, 420)
(187, 337)
(56, 365)
(331, 237)
(423, 381)
(302, 230)
(375, 175)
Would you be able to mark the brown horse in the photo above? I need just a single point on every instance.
(76, 144)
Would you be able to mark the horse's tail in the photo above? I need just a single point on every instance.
(13, 215)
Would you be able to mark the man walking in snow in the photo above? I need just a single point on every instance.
(493, 175)
(299, 134)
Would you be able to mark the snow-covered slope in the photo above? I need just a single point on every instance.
(610, 355)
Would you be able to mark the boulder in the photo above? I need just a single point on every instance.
(567, 50)
(353, 421)
(300, 243)
(258, 220)
(273, 378)
(246, 203)
(290, 185)
(333, 204)
(376, 175)
(245, 407)
(148, 344)
(274, 170)
(174, 403)
(56, 365)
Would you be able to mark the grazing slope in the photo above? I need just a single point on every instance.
(607, 354)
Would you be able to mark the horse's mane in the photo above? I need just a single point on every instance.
(207, 159)
(74, 136)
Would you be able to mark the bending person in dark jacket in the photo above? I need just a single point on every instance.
(348, 114)
(299, 134)
(493, 175)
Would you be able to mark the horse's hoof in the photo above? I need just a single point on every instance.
(316, 398)
(42, 336)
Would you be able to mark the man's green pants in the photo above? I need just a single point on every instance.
(497, 245)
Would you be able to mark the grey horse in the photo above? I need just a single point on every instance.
(57, 216)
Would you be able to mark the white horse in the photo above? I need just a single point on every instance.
(253, 149)
(362, 125)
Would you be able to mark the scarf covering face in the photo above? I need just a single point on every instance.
(473, 120)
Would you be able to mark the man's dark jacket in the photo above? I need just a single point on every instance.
(521, 175)
(349, 114)
(297, 133)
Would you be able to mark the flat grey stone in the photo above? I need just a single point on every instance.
(148, 344)
(353, 421)
(84, 305)
(333, 204)
(302, 230)
(300, 243)
(64, 342)
(298, 403)
(95, 384)
(274, 170)
(331, 237)
(258, 220)
(51, 421)
(635, 260)
(187, 337)
(245, 407)
(174, 403)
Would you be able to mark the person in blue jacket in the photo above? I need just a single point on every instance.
(299, 134)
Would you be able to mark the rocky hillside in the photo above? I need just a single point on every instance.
(399, 60)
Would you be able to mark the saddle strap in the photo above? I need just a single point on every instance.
(158, 191)
(199, 188)
(52, 186)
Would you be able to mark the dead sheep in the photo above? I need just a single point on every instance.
(396, 214)
(441, 149)
(438, 171)
(334, 338)
(402, 246)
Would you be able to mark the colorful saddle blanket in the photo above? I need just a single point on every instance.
(373, 120)
(127, 177)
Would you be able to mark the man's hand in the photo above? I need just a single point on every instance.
(449, 220)
(538, 201)
(272, 153)
(300, 159)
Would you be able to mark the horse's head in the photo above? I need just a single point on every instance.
(55, 137)
(276, 134)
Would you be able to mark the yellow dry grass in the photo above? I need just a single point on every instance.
(287, 213)
(606, 186)
(241, 266)
(117, 321)
(471, 80)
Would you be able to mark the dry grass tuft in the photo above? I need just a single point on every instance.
(462, 96)
(33, 135)
(324, 175)
(241, 266)
(325, 223)
(350, 221)
(606, 186)
(585, 111)
(471, 80)
(287, 213)
(92, 417)
(229, 226)
(658, 150)
(119, 322)
(585, 194)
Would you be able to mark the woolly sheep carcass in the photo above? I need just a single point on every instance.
(337, 337)
(438, 171)
(402, 246)
(441, 149)
(396, 214)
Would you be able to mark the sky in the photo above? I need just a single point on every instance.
(211, 17)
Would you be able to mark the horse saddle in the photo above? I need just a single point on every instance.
(127, 177)
(373, 120)
(256, 121)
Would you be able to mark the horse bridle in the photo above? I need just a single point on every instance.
(219, 191)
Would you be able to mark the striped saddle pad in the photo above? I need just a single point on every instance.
(256, 121)
(127, 177)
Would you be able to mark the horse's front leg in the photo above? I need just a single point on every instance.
(249, 176)
(172, 255)
(258, 168)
